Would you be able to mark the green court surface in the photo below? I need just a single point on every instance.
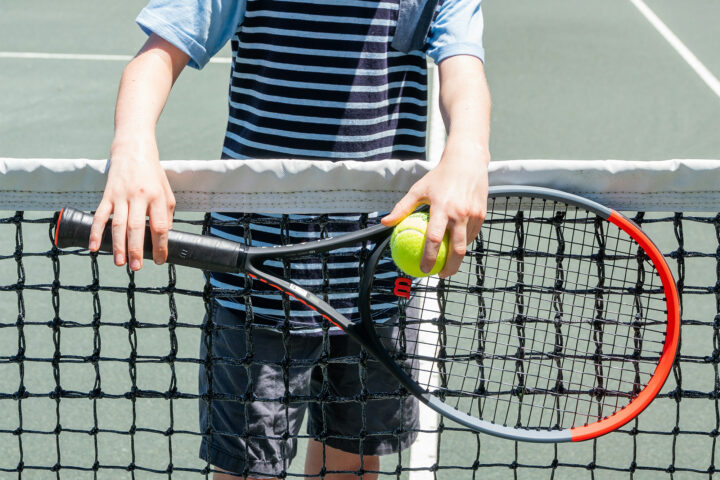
(569, 80)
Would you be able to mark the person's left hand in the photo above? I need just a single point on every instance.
(456, 190)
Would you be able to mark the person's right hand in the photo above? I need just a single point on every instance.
(136, 187)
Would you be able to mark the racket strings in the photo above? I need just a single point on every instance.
(555, 319)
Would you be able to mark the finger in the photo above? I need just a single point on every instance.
(136, 234)
(433, 238)
(159, 231)
(102, 214)
(456, 248)
(402, 209)
(119, 232)
(170, 208)
(473, 231)
(475, 222)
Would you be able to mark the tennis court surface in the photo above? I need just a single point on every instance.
(99, 367)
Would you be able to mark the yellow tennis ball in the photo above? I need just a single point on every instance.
(408, 241)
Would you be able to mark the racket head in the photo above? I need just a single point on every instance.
(561, 325)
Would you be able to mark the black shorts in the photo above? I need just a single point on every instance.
(254, 424)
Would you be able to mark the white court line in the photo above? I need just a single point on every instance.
(702, 71)
(83, 56)
(423, 453)
(105, 58)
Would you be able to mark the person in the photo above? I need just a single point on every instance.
(310, 79)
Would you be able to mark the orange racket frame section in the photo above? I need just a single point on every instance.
(672, 335)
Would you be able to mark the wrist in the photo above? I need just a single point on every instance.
(466, 149)
(135, 145)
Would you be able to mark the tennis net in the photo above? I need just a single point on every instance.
(99, 366)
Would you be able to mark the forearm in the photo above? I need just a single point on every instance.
(144, 90)
(137, 186)
(465, 105)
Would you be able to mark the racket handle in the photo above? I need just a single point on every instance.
(72, 229)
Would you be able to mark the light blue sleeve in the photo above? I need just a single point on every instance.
(457, 30)
(199, 28)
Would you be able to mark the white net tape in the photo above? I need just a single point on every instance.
(311, 186)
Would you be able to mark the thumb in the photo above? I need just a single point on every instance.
(402, 209)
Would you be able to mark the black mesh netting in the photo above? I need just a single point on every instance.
(99, 370)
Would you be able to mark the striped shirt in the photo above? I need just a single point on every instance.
(317, 79)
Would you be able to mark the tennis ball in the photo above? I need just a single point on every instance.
(408, 241)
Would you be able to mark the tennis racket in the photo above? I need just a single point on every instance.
(562, 323)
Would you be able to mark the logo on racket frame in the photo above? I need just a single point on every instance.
(402, 287)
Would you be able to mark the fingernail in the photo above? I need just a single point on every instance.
(93, 245)
(135, 265)
(118, 259)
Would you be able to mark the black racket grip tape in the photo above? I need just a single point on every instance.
(187, 249)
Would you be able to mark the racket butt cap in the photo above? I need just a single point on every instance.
(56, 221)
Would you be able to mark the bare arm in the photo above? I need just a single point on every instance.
(136, 184)
(456, 188)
